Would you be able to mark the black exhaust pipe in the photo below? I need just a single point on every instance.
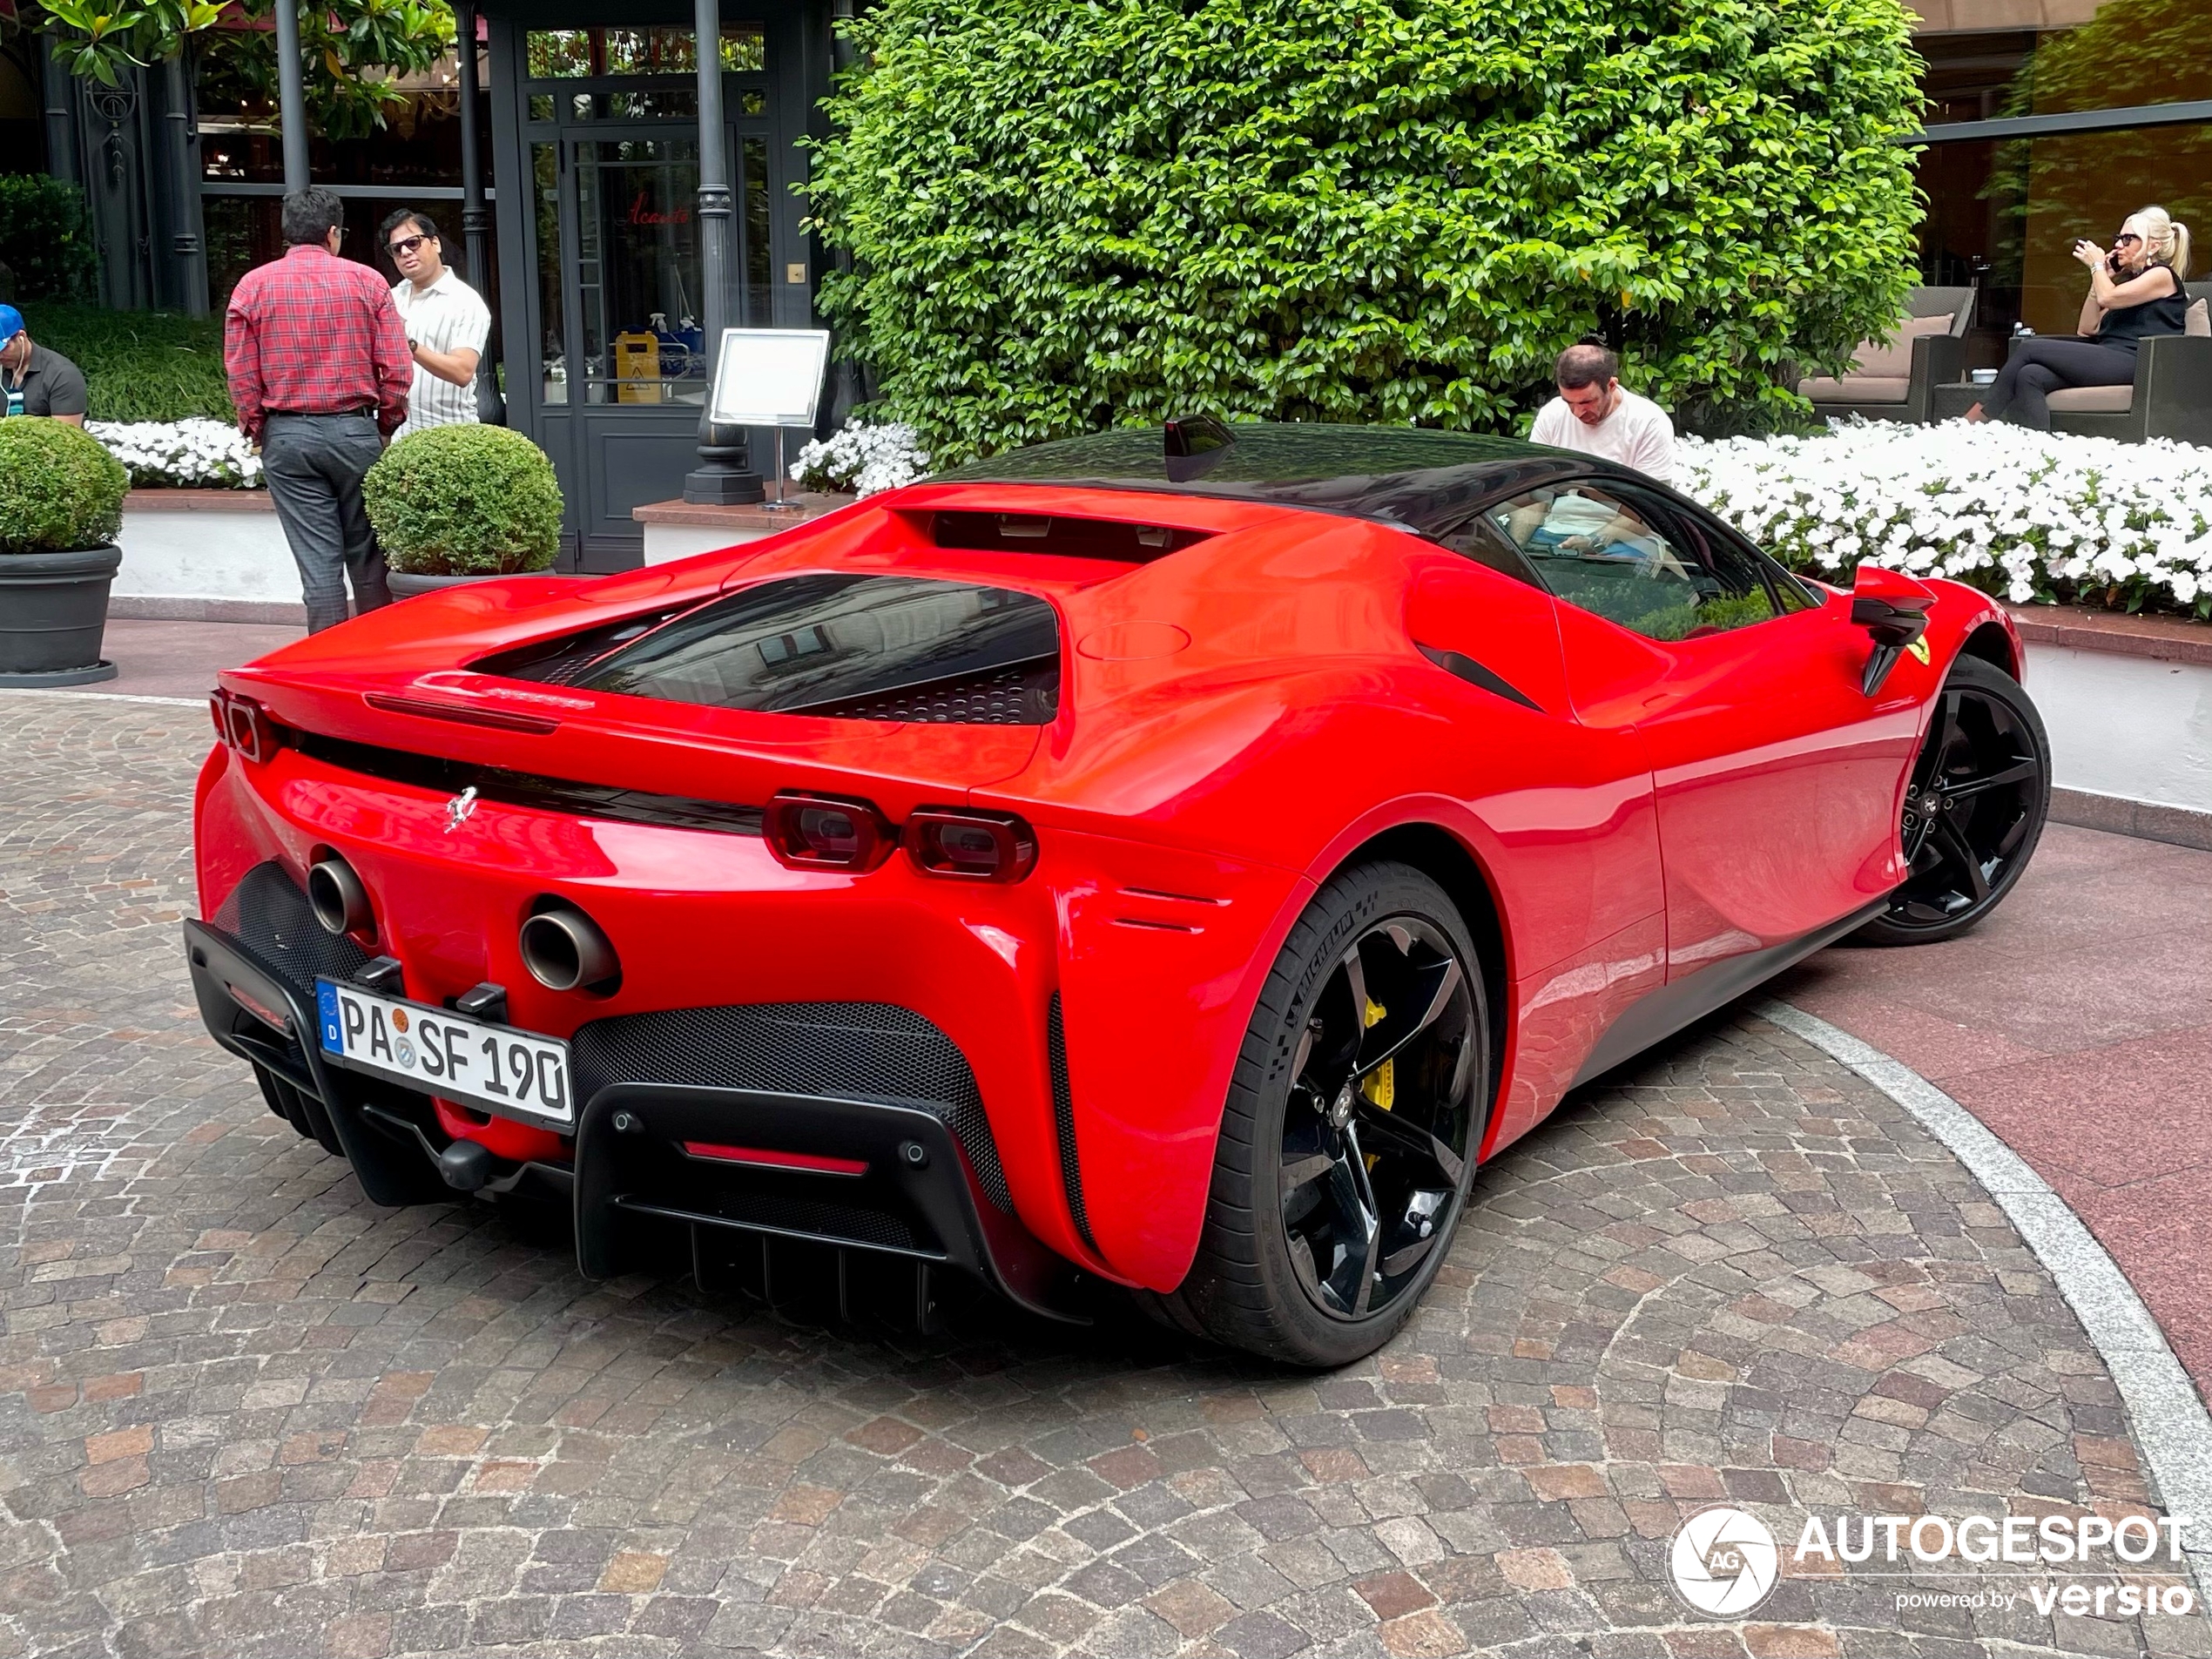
(335, 894)
(565, 950)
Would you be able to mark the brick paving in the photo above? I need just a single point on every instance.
(2077, 1023)
(242, 1412)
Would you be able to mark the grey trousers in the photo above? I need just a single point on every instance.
(314, 464)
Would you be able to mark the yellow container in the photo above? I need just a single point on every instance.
(637, 358)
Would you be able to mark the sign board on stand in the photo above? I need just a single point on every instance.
(769, 377)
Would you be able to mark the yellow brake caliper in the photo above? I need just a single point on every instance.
(1379, 1085)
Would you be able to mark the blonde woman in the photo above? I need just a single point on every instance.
(2134, 292)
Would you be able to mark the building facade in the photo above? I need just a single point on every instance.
(2048, 120)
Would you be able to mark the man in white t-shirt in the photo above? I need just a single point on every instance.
(447, 324)
(1594, 414)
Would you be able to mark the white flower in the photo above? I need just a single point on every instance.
(196, 453)
(1954, 500)
(863, 459)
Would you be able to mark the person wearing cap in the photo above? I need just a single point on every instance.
(35, 378)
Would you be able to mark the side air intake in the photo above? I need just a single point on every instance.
(1063, 1118)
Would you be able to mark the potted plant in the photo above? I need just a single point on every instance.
(462, 503)
(61, 505)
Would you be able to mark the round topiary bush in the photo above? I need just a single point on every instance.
(465, 501)
(1068, 218)
(60, 490)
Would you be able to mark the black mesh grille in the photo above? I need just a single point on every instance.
(271, 915)
(1063, 1118)
(844, 1050)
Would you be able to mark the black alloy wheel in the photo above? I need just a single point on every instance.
(1374, 1141)
(1353, 1123)
(1975, 807)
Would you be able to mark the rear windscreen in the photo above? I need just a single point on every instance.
(865, 647)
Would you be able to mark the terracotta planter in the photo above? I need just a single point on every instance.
(53, 610)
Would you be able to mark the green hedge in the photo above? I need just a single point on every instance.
(465, 501)
(139, 364)
(1071, 217)
(60, 490)
(45, 237)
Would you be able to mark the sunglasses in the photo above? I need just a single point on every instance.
(2124, 238)
(406, 245)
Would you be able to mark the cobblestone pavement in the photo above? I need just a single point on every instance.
(242, 1412)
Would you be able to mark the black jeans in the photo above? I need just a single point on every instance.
(314, 464)
(2042, 367)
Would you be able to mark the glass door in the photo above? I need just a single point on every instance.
(613, 142)
(640, 337)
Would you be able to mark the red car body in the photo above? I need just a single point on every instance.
(1644, 830)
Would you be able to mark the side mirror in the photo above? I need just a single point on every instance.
(1893, 608)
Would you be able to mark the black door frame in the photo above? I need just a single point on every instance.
(656, 442)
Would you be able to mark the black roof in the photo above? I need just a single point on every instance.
(1424, 479)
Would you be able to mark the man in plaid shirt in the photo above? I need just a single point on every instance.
(320, 368)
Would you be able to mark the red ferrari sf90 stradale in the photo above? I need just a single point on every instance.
(1179, 858)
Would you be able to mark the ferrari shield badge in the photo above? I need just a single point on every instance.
(1918, 650)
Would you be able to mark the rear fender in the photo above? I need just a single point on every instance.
(1162, 957)
(231, 834)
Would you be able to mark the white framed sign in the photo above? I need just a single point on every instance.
(769, 376)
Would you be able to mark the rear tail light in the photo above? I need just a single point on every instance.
(244, 724)
(975, 847)
(822, 833)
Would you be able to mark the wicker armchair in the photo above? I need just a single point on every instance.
(2172, 395)
(1898, 382)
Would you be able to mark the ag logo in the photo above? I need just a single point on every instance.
(1725, 1562)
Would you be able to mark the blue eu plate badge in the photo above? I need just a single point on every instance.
(333, 1040)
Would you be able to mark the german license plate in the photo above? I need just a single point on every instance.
(492, 1068)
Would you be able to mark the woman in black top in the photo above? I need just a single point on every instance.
(2134, 292)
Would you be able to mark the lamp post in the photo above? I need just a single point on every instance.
(724, 474)
(292, 96)
(184, 186)
(476, 222)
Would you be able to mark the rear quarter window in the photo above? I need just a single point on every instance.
(868, 648)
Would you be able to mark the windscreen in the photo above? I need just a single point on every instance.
(869, 648)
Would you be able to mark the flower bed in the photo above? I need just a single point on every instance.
(2027, 515)
(862, 460)
(196, 454)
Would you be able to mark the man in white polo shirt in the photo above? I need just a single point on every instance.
(447, 325)
(1595, 415)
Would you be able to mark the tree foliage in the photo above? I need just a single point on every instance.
(1073, 216)
(350, 49)
(46, 237)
